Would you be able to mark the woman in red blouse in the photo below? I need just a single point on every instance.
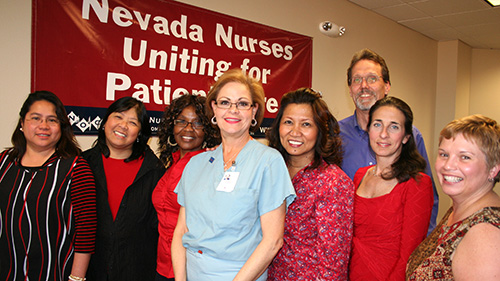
(393, 200)
(184, 132)
(318, 224)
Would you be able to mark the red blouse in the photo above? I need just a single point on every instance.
(167, 208)
(119, 176)
(388, 228)
(318, 227)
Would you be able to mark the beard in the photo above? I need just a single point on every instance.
(365, 104)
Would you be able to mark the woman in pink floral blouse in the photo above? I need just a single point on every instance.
(318, 225)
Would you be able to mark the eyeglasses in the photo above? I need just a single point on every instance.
(183, 124)
(370, 79)
(51, 121)
(241, 105)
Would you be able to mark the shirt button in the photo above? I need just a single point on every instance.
(371, 163)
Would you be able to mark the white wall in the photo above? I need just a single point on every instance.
(412, 58)
(400, 46)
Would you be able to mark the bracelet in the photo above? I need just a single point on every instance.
(76, 278)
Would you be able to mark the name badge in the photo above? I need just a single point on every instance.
(228, 181)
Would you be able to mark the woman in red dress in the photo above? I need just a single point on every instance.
(393, 200)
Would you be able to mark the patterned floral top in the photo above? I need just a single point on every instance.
(432, 259)
(318, 227)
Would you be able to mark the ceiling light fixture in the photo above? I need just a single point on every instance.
(493, 3)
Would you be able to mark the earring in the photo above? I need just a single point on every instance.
(254, 122)
(170, 143)
(491, 179)
(21, 129)
(137, 140)
(204, 145)
(213, 120)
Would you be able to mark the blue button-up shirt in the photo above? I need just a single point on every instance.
(357, 154)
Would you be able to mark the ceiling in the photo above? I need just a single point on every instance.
(473, 22)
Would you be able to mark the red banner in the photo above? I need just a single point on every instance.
(91, 53)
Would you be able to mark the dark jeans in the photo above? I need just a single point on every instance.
(162, 278)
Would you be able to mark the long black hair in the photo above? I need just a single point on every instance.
(121, 105)
(66, 147)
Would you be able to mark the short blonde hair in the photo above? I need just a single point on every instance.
(483, 131)
(253, 85)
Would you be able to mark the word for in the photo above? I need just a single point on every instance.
(185, 62)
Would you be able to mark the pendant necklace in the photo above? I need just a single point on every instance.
(230, 161)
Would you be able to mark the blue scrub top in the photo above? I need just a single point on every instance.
(226, 225)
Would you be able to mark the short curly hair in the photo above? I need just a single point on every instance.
(166, 127)
(483, 131)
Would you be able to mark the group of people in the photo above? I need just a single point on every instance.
(324, 200)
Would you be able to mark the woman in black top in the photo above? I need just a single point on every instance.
(126, 172)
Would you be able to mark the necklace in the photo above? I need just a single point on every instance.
(230, 161)
(374, 172)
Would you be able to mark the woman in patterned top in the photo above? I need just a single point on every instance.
(318, 225)
(465, 245)
(47, 197)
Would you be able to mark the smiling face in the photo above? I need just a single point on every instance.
(298, 132)
(234, 121)
(189, 138)
(365, 95)
(41, 127)
(462, 169)
(121, 130)
(387, 133)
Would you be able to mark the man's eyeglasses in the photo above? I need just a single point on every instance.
(183, 124)
(370, 79)
(241, 105)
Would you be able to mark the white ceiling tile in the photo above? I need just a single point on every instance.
(445, 7)
(470, 18)
(369, 4)
(400, 12)
(472, 21)
(488, 29)
(424, 24)
(442, 34)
